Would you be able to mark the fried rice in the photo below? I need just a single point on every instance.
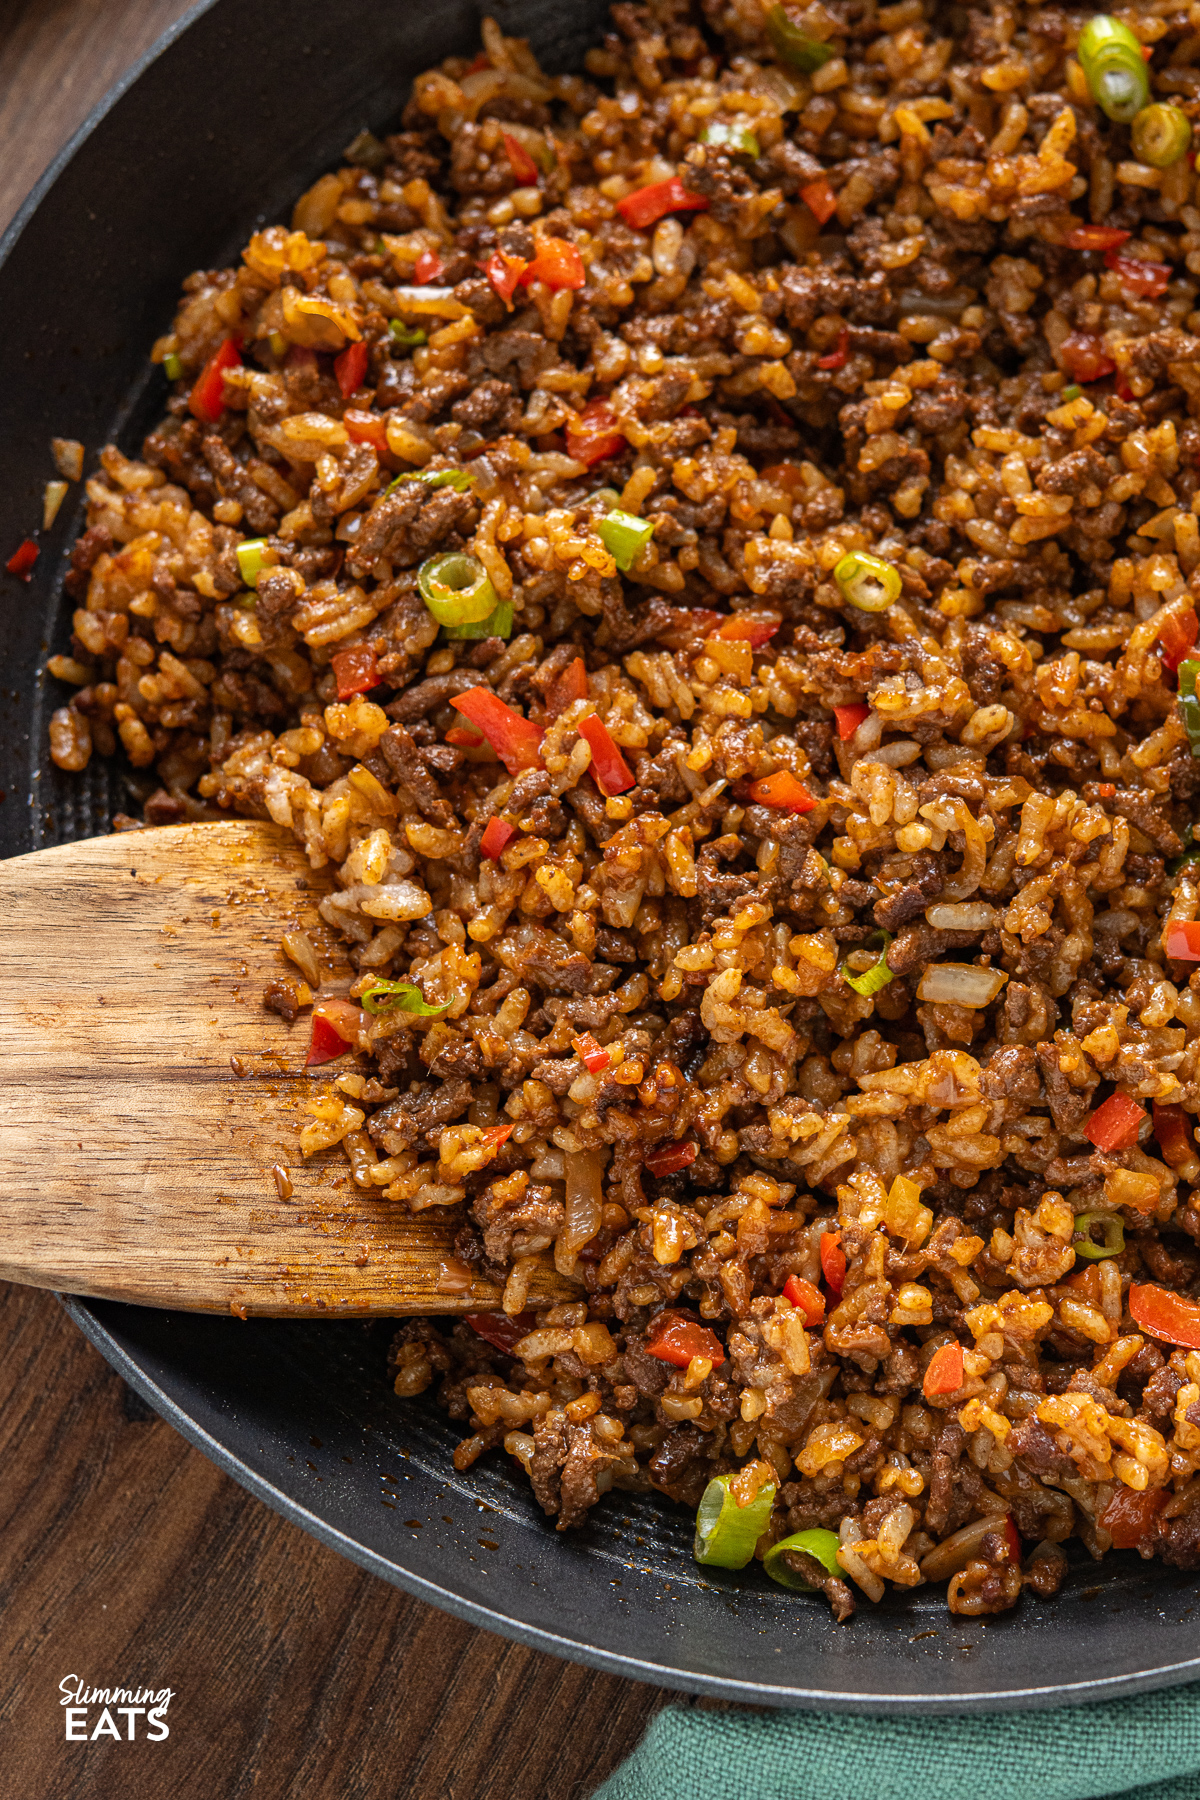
(857, 982)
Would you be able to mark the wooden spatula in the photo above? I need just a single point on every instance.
(146, 1095)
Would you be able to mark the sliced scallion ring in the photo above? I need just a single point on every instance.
(172, 367)
(1112, 1242)
(407, 336)
(794, 46)
(458, 479)
(497, 624)
(398, 996)
(724, 136)
(624, 534)
(726, 1533)
(1161, 135)
(867, 581)
(1111, 58)
(456, 589)
(876, 977)
(250, 559)
(822, 1546)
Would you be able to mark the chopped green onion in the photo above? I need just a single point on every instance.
(398, 996)
(172, 367)
(1111, 58)
(277, 344)
(1112, 1241)
(726, 1533)
(795, 46)
(624, 534)
(497, 624)
(822, 1546)
(723, 136)
(367, 151)
(1162, 135)
(878, 975)
(250, 557)
(867, 581)
(1071, 393)
(458, 479)
(1191, 851)
(456, 589)
(407, 336)
(1189, 705)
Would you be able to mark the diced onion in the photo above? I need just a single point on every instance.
(584, 1200)
(971, 915)
(960, 984)
(955, 1552)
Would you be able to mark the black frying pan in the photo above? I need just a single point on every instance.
(238, 111)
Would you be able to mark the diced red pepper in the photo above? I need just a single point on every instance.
(1166, 1316)
(1105, 790)
(206, 401)
(650, 204)
(594, 1057)
(945, 1372)
(21, 562)
(497, 1134)
(351, 366)
(612, 773)
(849, 718)
(465, 737)
(1176, 637)
(1130, 1514)
(1094, 237)
(1114, 1126)
(497, 835)
(505, 272)
(593, 434)
(482, 61)
(429, 268)
(681, 1339)
(782, 790)
(570, 686)
(1138, 276)
(356, 671)
(1012, 1538)
(558, 264)
(669, 1158)
(366, 428)
(1085, 358)
(500, 1331)
(833, 1261)
(1173, 1130)
(820, 200)
(837, 358)
(334, 1031)
(516, 741)
(740, 629)
(809, 1299)
(1181, 940)
(522, 164)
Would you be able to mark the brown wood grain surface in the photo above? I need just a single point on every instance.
(126, 1557)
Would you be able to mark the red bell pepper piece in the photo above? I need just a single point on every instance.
(505, 272)
(356, 671)
(681, 1339)
(516, 741)
(820, 200)
(21, 562)
(1114, 1126)
(206, 401)
(593, 434)
(809, 1299)
(650, 204)
(335, 1026)
(1085, 358)
(592, 1055)
(612, 773)
(945, 1372)
(833, 1261)
(1176, 638)
(520, 161)
(366, 428)
(1166, 1316)
(558, 264)
(1012, 1538)
(1094, 237)
(1173, 1130)
(1181, 940)
(739, 629)
(429, 268)
(1129, 1515)
(570, 686)
(1106, 789)
(465, 737)
(668, 1159)
(782, 790)
(849, 718)
(1147, 280)
(497, 835)
(500, 1331)
(837, 358)
(351, 366)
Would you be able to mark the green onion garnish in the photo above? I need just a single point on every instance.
(1111, 58)
(1112, 1241)
(458, 479)
(250, 553)
(726, 1533)
(805, 53)
(398, 996)
(497, 624)
(1161, 135)
(277, 344)
(172, 367)
(624, 534)
(1189, 705)
(409, 336)
(456, 589)
(822, 1546)
(867, 581)
(723, 136)
(1071, 393)
(878, 975)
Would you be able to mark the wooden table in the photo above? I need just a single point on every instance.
(125, 1557)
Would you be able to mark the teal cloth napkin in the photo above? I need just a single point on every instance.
(1148, 1746)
